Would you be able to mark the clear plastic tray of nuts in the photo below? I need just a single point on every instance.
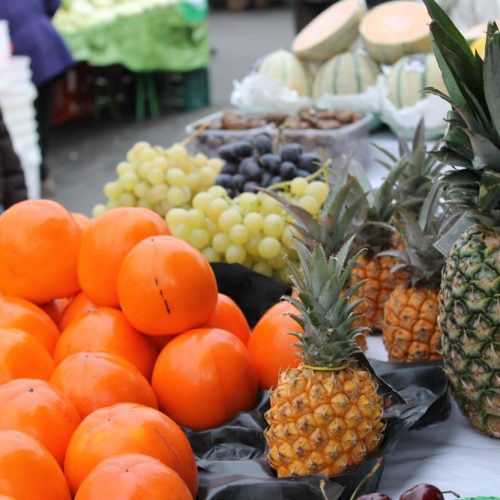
(340, 140)
(349, 140)
(210, 136)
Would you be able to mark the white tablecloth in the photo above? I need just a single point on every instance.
(450, 455)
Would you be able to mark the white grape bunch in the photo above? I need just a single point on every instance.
(159, 179)
(251, 229)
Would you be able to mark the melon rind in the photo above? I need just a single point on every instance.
(346, 74)
(405, 82)
(334, 42)
(391, 52)
(285, 68)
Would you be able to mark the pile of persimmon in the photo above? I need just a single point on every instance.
(112, 336)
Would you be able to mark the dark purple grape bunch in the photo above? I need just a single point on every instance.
(249, 167)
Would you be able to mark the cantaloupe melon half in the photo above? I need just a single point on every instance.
(395, 29)
(330, 33)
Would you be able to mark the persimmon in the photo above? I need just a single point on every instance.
(20, 314)
(204, 377)
(23, 356)
(228, 316)
(166, 287)
(39, 244)
(28, 471)
(106, 243)
(55, 309)
(42, 411)
(82, 220)
(106, 329)
(94, 380)
(77, 307)
(133, 476)
(271, 346)
(129, 428)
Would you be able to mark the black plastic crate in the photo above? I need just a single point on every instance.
(188, 91)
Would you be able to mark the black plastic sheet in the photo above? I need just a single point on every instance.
(253, 292)
(232, 462)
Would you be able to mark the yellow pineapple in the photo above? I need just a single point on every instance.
(325, 415)
(410, 179)
(411, 329)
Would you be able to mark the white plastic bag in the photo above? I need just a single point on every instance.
(257, 94)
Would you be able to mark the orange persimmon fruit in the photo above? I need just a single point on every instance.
(271, 345)
(23, 356)
(133, 476)
(77, 307)
(106, 329)
(39, 245)
(36, 407)
(20, 314)
(166, 287)
(94, 380)
(129, 428)
(82, 220)
(228, 316)
(28, 471)
(204, 377)
(106, 243)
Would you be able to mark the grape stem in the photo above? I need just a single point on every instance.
(195, 134)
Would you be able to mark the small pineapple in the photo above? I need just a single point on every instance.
(411, 330)
(325, 415)
(410, 179)
(470, 289)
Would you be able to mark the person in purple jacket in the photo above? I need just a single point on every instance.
(33, 35)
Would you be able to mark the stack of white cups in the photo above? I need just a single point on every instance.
(17, 96)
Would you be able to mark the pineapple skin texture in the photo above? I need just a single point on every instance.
(470, 322)
(376, 291)
(411, 329)
(323, 422)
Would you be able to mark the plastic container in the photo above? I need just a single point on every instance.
(350, 140)
(208, 141)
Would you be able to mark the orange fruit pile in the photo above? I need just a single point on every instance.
(112, 336)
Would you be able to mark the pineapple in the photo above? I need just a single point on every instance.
(325, 415)
(410, 180)
(470, 289)
(411, 330)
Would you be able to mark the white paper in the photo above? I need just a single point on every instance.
(405, 120)
(369, 101)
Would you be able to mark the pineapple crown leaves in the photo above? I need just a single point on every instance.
(472, 142)
(410, 179)
(326, 311)
(337, 219)
(420, 257)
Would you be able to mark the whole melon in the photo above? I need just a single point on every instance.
(410, 76)
(330, 33)
(395, 29)
(345, 74)
(285, 68)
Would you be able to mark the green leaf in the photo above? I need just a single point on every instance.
(440, 16)
(489, 192)
(492, 76)
(486, 154)
(419, 137)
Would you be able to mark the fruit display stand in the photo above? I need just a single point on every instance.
(165, 36)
